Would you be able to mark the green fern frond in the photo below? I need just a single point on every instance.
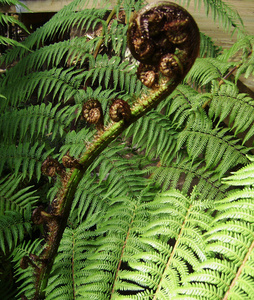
(12, 230)
(247, 67)
(25, 157)
(208, 47)
(8, 19)
(158, 271)
(13, 200)
(116, 243)
(129, 6)
(182, 174)
(155, 134)
(57, 25)
(61, 83)
(243, 51)
(230, 245)
(223, 12)
(221, 151)
(117, 37)
(183, 104)
(89, 199)
(38, 120)
(67, 275)
(122, 73)
(120, 170)
(12, 2)
(76, 142)
(242, 46)
(226, 101)
(24, 277)
(205, 70)
(244, 176)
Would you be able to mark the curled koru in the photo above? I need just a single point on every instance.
(165, 39)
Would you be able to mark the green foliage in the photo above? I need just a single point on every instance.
(156, 215)
(6, 19)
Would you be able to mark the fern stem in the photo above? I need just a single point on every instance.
(173, 252)
(141, 106)
(72, 269)
(234, 282)
(121, 257)
(96, 51)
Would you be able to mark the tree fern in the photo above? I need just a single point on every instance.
(204, 140)
(139, 209)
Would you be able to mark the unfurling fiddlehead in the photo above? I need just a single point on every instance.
(92, 113)
(164, 38)
(119, 110)
(51, 167)
(70, 162)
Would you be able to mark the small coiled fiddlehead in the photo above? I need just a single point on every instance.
(165, 39)
(92, 113)
(119, 110)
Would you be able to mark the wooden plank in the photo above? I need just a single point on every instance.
(36, 6)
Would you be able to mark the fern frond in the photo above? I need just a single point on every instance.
(76, 142)
(8, 41)
(183, 104)
(67, 275)
(155, 134)
(226, 101)
(122, 73)
(242, 177)
(230, 243)
(117, 37)
(116, 243)
(61, 83)
(243, 51)
(24, 277)
(225, 14)
(182, 174)
(25, 157)
(8, 19)
(57, 25)
(89, 199)
(207, 46)
(12, 230)
(242, 46)
(11, 200)
(13, 2)
(221, 151)
(159, 271)
(36, 121)
(120, 169)
(205, 70)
